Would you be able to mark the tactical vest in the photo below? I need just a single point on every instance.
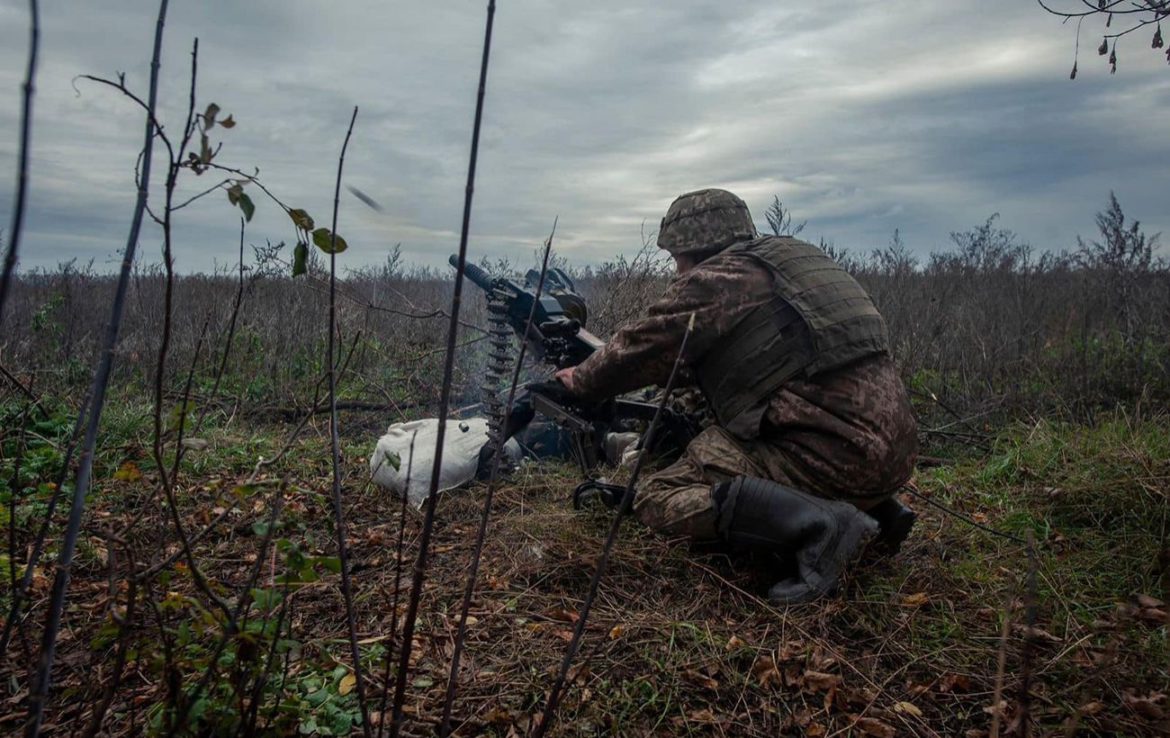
(819, 319)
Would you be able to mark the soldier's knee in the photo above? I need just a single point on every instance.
(678, 511)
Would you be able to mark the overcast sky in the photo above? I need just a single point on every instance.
(921, 115)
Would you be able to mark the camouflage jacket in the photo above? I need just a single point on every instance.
(855, 421)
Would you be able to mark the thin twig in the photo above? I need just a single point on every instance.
(20, 593)
(1024, 701)
(481, 534)
(909, 487)
(227, 347)
(335, 444)
(22, 161)
(397, 586)
(554, 696)
(40, 691)
(445, 396)
(1001, 669)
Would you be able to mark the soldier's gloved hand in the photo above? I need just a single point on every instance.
(565, 377)
(553, 390)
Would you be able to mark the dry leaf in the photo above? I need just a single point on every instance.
(1154, 615)
(498, 716)
(1147, 601)
(1091, 708)
(616, 632)
(766, 672)
(874, 727)
(1146, 706)
(1035, 634)
(348, 682)
(702, 716)
(735, 642)
(816, 730)
(954, 683)
(561, 614)
(819, 681)
(908, 708)
(128, 472)
(699, 680)
(918, 599)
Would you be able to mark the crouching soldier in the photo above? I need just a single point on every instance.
(814, 425)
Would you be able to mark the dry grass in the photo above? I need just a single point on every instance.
(680, 642)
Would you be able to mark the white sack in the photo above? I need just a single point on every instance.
(461, 445)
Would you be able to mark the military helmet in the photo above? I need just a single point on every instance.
(705, 221)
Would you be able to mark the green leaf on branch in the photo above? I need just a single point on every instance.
(234, 193)
(300, 259)
(329, 242)
(247, 206)
(301, 219)
(209, 115)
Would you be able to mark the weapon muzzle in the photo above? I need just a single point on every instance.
(474, 273)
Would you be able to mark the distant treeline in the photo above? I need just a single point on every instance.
(986, 326)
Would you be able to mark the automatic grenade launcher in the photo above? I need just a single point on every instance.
(556, 336)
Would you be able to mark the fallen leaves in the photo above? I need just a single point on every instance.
(907, 708)
(562, 615)
(918, 599)
(1035, 634)
(697, 679)
(128, 472)
(765, 672)
(1149, 707)
(817, 681)
(873, 727)
(954, 683)
(1151, 610)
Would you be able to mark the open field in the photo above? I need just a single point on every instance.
(680, 642)
(207, 595)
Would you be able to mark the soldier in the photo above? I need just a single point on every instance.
(814, 424)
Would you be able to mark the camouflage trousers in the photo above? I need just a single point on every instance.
(676, 501)
(849, 437)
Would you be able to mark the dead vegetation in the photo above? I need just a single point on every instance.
(244, 634)
(680, 642)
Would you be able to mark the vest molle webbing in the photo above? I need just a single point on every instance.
(820, 319)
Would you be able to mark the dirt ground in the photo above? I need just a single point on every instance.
(679, 642)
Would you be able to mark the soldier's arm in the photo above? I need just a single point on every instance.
(642, 353)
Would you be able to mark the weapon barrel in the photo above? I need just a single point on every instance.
(474, 273)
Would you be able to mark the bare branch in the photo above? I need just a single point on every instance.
(17, 226)
(445, 396)
(40, 689)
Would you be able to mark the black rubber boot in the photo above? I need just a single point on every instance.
(823, 535)
(894, 522)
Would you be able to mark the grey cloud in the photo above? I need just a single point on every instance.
(917, 115)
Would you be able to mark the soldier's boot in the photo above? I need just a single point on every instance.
(895, 521)
(822, 535)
